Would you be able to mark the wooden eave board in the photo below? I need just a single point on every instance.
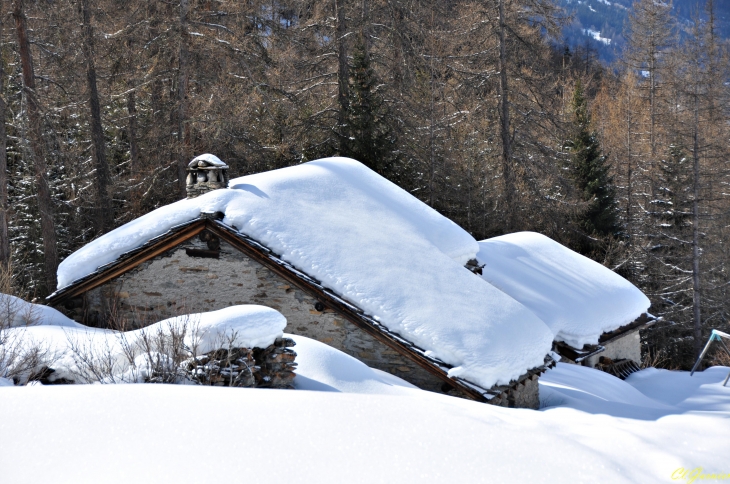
(643, 321)
(575, 354)
(129, 260)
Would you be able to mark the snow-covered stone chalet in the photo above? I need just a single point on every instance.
(347, 257)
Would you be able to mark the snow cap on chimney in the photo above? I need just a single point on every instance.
(205, 173)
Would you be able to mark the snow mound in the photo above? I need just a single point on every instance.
(244, 326)
(121, 354)
(374, 244)
(701, 392)
(320, 367)
(14, 312)
(172, 433)
(595, 391)
(324, 368)
(579, 299)
(648, 394)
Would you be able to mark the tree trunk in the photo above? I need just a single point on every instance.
(431, 128)
(4, 239)
(652, 106)
(365, 30)
(104, 211)
(132, 132)
(629, 186)
(507, 172)
(45, 206)
(183, 135)
(342, 72)
(696, 300)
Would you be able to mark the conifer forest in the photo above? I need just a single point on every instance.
(479, 109)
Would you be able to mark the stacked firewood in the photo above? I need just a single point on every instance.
(276, 364)
(271, 367)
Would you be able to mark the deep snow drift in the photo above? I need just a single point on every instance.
(372, 431)
(244, 326)
(346, 422)
(375, 245)
(647, 395)
(15, 312)
(579, 299)
(123, 355)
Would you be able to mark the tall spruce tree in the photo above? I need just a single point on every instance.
(670, 262)
(590, 171)
(368, 138)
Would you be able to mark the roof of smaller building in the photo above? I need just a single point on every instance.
(578, 298)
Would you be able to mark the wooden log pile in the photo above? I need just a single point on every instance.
(271, 367)
(276, 364)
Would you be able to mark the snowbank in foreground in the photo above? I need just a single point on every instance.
(172, 433)
(325, 369)
(579, 299)
(71, 349)
(374, 244)
(15, 312)
(648, 394)
(350, 423)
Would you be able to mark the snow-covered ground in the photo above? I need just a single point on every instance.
(349, 423)
(346, 422)
(15, 312)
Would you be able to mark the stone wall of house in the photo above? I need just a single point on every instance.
(526, 394)
(175, 283)
(628, 347)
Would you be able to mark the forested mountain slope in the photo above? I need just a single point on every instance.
(600, 24)
(472, 107)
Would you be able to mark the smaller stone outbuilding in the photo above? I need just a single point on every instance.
(595, 314)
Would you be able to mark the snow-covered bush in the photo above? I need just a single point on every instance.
(22, 358)
(235, 346)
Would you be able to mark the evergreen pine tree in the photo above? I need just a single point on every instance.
(671, 258)
(590, 171)
(674, 201)
(369, 139)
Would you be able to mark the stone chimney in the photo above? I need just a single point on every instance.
(205, 173)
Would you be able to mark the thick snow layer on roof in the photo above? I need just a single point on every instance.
(330, 195)
(375, 245)
(14, 312)
(579, 299)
